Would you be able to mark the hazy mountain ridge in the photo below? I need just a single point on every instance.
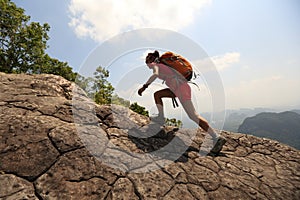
(283, 127)
(234, 118)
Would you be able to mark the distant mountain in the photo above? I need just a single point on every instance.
(234, 118)
(296, 111)
(283, 127)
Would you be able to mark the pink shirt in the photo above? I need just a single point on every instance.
(175, 81)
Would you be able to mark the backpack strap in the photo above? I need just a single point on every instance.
(174, 101)
(195, 84)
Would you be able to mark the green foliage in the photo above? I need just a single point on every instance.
(86, 84)
(97, 87)
(120, 101)
(103, 89)
(139, 109)
(173, 122)
(23, 45)
(54, 66)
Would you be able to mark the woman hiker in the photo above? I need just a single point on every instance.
(177, 87)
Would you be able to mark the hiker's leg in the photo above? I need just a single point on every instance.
(164, 93)
(217, 141)
(193, 115)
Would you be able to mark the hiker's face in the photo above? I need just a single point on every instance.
(150, 58)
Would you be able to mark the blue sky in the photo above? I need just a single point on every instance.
(255, 45)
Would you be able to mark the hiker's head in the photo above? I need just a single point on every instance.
(152, 56)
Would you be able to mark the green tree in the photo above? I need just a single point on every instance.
(103, 89)
(23, 44)
(97, 87)
(54, 66)
(139, 109)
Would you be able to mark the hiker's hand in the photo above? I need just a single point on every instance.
(141, 90)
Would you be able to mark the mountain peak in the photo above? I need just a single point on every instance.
(57, 144)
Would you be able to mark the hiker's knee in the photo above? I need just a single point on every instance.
(157, 95)
(157, 98)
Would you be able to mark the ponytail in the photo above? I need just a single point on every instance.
(155, 54)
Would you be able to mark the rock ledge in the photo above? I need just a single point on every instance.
(43, 152)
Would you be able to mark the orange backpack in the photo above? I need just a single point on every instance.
(179, 63)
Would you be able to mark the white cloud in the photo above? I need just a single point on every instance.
(101, 19)
(219, 62)
(227, 60)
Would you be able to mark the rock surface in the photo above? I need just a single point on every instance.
(57, 144)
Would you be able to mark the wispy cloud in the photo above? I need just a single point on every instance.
(225, 61)
(219, 62)
(101, 19)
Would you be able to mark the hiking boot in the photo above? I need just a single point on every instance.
(158, 120)
(218, 145)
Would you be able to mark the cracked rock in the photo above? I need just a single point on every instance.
(13, 187)
(55, 143)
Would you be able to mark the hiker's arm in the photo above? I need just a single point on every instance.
(150, 80)
(153, 76)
